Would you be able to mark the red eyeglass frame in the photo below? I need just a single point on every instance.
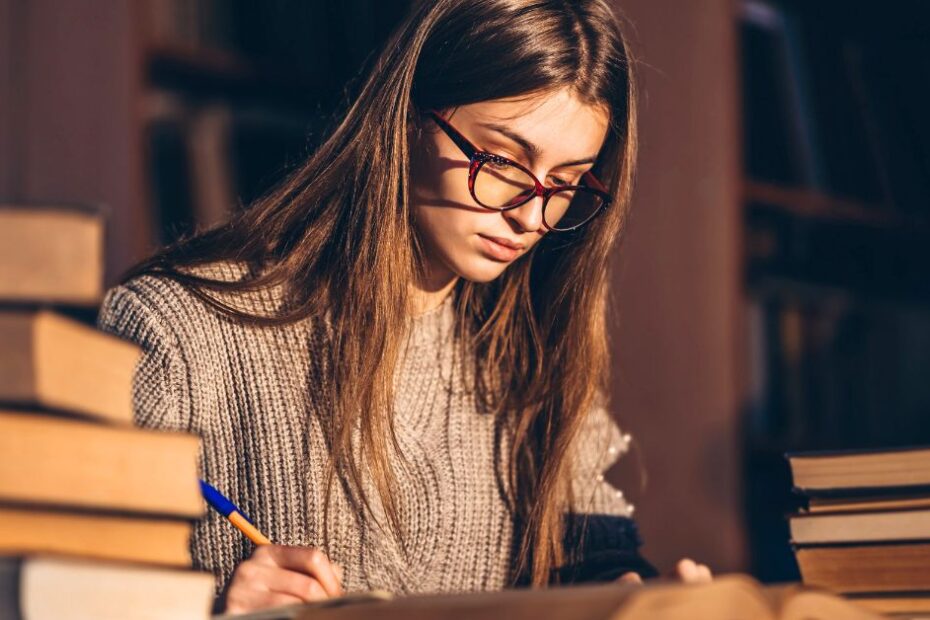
(477, 158)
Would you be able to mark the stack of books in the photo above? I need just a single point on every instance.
(866, 529)
(95, 514)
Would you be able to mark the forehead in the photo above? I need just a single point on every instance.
(561, 125)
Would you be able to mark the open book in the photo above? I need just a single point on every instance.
(730, 597)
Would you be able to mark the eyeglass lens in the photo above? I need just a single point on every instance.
(499, 185)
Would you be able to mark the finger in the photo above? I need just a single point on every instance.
(245, 600)
(687, 570)
(340, 572)
(630, 577)
(251, 576)
(704, 574)
(307, 560)
(292, 583)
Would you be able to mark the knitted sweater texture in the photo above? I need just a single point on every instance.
(250, 394)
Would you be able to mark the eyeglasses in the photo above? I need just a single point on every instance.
(501, 184)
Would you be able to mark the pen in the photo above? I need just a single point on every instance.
(225, 507)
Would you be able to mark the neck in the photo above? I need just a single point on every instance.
(429, 293)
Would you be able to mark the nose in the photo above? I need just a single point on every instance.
(528, 216)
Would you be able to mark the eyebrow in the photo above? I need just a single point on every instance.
(531, 149)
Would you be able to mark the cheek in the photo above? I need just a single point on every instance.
(449, 235)
(445, 212)
(445, 229)
(439, 177)
(450, 186)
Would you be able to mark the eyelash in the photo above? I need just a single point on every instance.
(560, 181)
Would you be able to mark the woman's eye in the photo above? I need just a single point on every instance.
(559, 181)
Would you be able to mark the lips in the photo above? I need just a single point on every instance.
(505, 242)
(498, 251)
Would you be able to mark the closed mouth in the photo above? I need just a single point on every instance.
(505, 242)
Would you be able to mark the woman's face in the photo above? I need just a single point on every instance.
(454, 229)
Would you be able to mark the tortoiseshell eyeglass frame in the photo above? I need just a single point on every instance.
(477, 158)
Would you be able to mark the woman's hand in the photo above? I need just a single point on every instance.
(282, 575)
(687, 571)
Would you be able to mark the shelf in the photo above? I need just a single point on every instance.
(214, 62)
(217, 73)
(803, 202)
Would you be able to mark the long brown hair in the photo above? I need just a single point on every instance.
(338, 236)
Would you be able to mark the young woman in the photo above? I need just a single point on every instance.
(397, 359)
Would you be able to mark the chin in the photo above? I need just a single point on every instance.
(479, 269)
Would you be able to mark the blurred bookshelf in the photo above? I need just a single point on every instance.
(173, 113)
(836, 203)
(235, 94)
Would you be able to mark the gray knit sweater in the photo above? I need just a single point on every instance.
(249, 392)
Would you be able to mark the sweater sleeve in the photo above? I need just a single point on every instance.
(600, 444)
(601, 537)
(160, 392)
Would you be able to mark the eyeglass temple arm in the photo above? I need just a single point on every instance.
(461, 141)
(593, 181)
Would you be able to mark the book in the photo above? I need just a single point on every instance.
(842, 126)
(212, 183)
(892, 103)
(729, 596)
(169, 168)
(51, 253)
(55, 588)
(207, 161)
(191, 26)
(860, 471)
(908, 603)
(866, 504)
(102, 536)
(48, 461)
(777, 141)
(51, 361)
(289, 611)
(896, 567)
(892, 525)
